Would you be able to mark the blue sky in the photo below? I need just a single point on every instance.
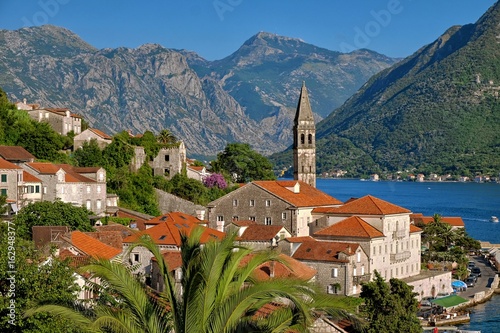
(216, 28)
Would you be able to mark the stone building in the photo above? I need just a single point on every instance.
(80, 186)
(283, 203)
(382, 229)
(341, 267)
(89, 134)
(304, 141)
(60, 120)
(168, 162)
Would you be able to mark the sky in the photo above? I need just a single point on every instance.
(216, 28)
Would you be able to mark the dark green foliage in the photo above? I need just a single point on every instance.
(136, 190)
(88, 155)
(243, 164)
(51, 213)
(390, 307)
(35, 283)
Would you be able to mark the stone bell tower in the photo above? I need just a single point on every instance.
(304, 141)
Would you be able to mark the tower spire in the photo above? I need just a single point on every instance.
(304, 141)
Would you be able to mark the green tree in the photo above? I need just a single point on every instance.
(51, 213)
(390, 307)
(89, 154)
(219, 295)
(34, 281)
(243, 164)
(165, 137)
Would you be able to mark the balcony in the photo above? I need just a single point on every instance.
(401, 256)
(361, 278)
(399, 234)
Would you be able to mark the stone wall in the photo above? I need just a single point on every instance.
(170, 203)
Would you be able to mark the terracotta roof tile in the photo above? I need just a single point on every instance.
(307, 196)
(44, 168)
(300, 239)
(29, 178)
(367, 205)
(295, 269)
(173, 259)
(414, 228)
(15, 153)
(325, 251)
(6, 165)
(352, 226)
(168, 230)
(454, 221)
(111, 238)
(92, 246)
(259, 232)
(100, 133)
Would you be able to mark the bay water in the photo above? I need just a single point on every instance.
(474, 202)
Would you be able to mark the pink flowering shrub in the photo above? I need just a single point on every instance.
(215, 179)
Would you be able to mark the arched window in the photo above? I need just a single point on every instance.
(302, 138)
(310, 139)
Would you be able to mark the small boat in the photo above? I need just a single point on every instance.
(493, 219)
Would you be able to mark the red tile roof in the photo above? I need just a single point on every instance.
(414, 228)
(92, 246)
(100, 133)
(111, 238)
(367, 205)
(301, 239)
(243, 223)
(259, 232)
(173, 259)
(295, 269)
(325, 251)
(352, 226)
(44, 168)
(6, 165)
(29, 178)
(308, 196)
(176, 217)
(16, 153)
(168, 232)
(454, 221)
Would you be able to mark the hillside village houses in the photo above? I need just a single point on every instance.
(341, 243)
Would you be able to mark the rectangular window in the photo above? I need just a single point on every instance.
(252, 203)
(167, 158)
(235, 203)
(251, 218)
(358, 256)
(220, 218)
(45, 190)
(354, 273)
(235, 218)
(4, 178)
(268, 203)
(98, 188)
(3, 192)
(283, 216)
(37, 189)
(335, 272)
(88, 188)
(89, 205)
(136, 257)
(98, 204)
(267, 221)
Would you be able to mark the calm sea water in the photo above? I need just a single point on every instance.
(474, 202)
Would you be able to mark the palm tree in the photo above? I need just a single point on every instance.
(166, 137)
(219, 295)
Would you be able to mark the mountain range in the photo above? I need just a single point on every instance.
(437, 110)
(249, 96)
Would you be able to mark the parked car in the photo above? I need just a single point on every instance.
(470, 282)
(473, 276)
(471, 265)
(476, 270)
(425, 302)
